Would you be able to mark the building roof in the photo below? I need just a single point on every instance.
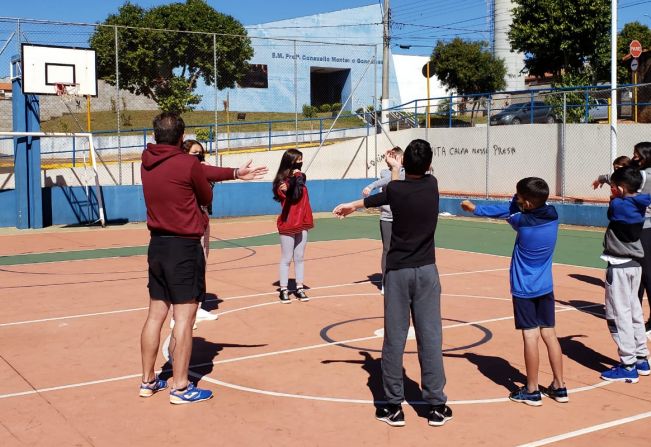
(5, 86)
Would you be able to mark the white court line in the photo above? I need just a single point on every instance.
(286, 351)
(584, 431)
(137, 309)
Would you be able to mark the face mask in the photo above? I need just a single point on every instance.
(200, 157)
(298, 166)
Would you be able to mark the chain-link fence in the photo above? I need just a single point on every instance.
(483, 144)
(293, 93)
(304, 94)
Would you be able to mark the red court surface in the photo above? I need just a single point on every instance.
(304, 374)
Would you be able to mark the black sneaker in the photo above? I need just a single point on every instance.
(300, 294)
(284, 296)
(558, 394)
(523, 395)
(439, 415)
(391, 414)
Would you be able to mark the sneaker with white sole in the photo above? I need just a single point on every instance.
(148, 389)
(284, 296)
(190, 395)
(558, 394)
(524, 396)
(643, 368)
(391, 414)
(204, 315)
(439, 415)
(301, 295)
(621, 373)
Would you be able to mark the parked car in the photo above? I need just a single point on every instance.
(598, 110)
(521, 113)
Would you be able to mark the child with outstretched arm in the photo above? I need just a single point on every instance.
(531, 282)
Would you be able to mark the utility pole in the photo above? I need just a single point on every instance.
(386, 38)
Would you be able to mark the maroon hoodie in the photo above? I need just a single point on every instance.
(174, 185)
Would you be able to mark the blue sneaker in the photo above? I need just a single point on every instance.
(558, 394)
(643, 368)
(620, 373)
(151, 388)
(191, 394)
(523, 395)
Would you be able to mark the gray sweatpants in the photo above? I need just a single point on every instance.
(417, 291)
(624, 311)
(292, 246)
(385, 232)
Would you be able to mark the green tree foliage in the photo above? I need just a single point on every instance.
(468, 67)
(631, 31)
(574, 99)
(163, 65)
(563, 36)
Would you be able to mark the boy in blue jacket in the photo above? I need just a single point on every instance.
(623, 252)
(531, 282)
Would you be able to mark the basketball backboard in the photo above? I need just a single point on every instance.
(45, 66)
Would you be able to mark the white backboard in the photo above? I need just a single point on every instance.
(44, 66)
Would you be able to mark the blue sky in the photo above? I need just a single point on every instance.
(419, 23)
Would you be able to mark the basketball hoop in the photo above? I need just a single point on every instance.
(66, 89)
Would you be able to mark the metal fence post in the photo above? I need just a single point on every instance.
(321, 130)
(563, 132)
(117, 103)
(531, 108)
(269, 124)
(488, 144)
(216, 77)
(74, 151)
(296, 95)
(416, 114)
(449, 112)
(587, 106)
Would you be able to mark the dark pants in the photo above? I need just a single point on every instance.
(385, 232)
(416, 291)
(645, 285)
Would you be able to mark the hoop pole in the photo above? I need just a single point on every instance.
(88, 113)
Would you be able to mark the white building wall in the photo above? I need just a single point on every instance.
(502, 20)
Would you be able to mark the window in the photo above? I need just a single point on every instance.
(256, 77)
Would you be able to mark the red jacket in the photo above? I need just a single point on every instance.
(175, 184)
(296, 214)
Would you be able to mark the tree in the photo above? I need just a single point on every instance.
(560, 36)
(468, 68)
(630, 31)
(165, 65)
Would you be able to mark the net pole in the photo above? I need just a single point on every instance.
(93, 162)
(87, 113)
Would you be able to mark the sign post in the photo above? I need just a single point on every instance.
(635, 48)
(427, 72)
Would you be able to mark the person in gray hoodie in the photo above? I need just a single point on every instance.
(386, 216)
(642, 158)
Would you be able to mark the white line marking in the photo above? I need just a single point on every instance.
(286, 351)
(137, 309)
(594, 428)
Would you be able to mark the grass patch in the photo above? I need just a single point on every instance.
(142, 119)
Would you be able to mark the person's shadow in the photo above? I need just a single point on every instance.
(497, 369)
(585, 355)
(587, 279)
(203, 355)
(594, 309)
(373, 368)
(211, 302)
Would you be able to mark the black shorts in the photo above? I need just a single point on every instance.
(177, 270)
(531, 313)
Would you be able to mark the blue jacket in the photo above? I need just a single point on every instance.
(531, 262)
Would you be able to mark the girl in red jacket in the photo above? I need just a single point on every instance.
(294, 220)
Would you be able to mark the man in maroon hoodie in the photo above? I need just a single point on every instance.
(175, 185)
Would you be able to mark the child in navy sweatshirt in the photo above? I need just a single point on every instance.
(531, 281)
(623, 252)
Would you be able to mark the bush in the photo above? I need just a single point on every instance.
(309, 111)
(202, 134)
(336, 107)
(325, 108)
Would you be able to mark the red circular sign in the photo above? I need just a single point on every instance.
(635, 48)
